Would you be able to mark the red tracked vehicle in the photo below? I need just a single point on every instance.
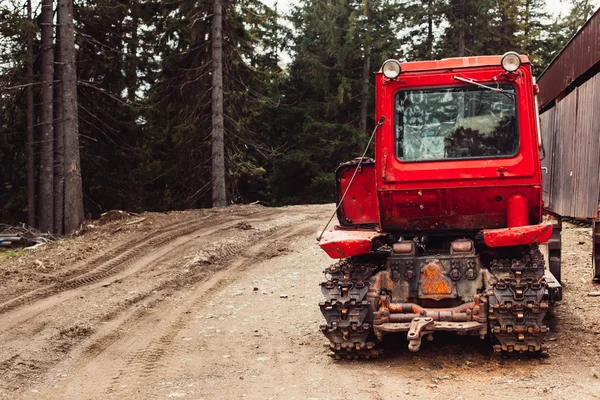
(445, 229)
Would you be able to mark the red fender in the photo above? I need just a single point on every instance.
(347, 243)
(518, 235)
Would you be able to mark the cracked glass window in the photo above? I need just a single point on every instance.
(456, 123)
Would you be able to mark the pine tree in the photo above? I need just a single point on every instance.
(73, 196)
(180, 111)
(59, 133)
(217, 135)
(533, 20)
(46, 168)
(469, 30)
(422, 18)
(31, 215)
(321, 124)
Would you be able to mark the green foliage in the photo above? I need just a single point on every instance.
(179, 107)
(318, 122)
(145, 89)
(422, 19)
(13, 196)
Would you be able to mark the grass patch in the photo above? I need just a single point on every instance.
(11, 253)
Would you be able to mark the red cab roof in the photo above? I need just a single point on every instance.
(458, 62)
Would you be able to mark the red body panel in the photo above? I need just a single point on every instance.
(456, 193)
(455, 63)
(517, 236)
(347, 243)
(441, 210)
(360, 206)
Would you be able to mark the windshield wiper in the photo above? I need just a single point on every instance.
(473, 82)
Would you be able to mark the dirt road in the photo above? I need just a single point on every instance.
(222, 304)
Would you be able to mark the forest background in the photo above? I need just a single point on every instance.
(144, 71)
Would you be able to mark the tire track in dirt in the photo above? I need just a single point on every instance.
(161, 226)
(23, 322)
(81, 267)
(88, 265)
(105, 265)
(146, 363)
(114, 260)
(219, 242)
(146, 356)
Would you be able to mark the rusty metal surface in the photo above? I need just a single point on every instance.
(406, 247)
(406, 312)
(578, 56)
(462, 246)
(403, 277)
(370, 296)
(459, 327)
(346, 308)
(516, 289)
(571, 132)
(434, 284)
(415, 332)
(394, 317)
(518, 236)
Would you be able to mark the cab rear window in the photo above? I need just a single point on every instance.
(456, 123)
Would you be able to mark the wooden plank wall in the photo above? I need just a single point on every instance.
(571, 134)
(587, 174)
(548, 139)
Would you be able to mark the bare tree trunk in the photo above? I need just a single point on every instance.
(59, 156)
(73, 210)
(364, 97)
(219, 195)
(46, 172)
(30, 125)
(461, 28)
(132, 62)
(429, 39)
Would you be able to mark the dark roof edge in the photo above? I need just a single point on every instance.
(567, 44)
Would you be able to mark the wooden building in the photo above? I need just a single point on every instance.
(569, 102)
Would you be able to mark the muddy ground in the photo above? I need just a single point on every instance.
(222, 304)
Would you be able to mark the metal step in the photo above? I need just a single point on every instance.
(554, 287)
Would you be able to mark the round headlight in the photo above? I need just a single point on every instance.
(391, 69)
(511, 61)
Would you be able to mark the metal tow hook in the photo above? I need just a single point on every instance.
(415, 332)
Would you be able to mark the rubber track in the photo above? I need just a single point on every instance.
(348, 318)
(517, 321)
